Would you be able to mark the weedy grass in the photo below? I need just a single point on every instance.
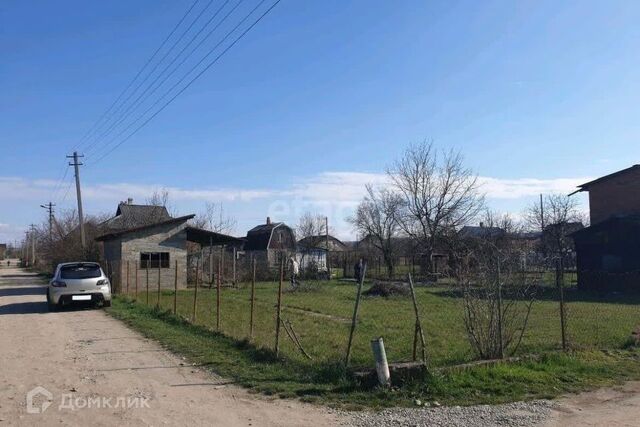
(252, 363)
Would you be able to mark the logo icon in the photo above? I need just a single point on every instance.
(33, 399)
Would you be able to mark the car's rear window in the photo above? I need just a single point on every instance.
(80, 271)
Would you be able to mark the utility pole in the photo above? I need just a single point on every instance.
(541, 213)
(49, 207)
(33, 243)
(326, 230)
(75, 164)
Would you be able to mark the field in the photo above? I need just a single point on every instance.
(321, 318)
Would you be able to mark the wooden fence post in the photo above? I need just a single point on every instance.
(195, 293)
(355, 315)
(279, 306)
(159, 279)
(147, 268)
(135, 267)
(418, 326)
(127, 277)
(218, 286)
(175, 291)
(253, 296)
(235, 282)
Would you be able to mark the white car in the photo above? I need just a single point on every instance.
(78, 282)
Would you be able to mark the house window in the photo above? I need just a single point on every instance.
(154, 260)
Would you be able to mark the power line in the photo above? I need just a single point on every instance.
(195, 78)
(141, 99)
(150, 73)
(175, 28)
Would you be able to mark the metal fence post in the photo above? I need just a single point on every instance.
(253, 296)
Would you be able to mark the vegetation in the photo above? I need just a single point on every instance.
(547, 376)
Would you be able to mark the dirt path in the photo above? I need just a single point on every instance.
(615, 407)
(85, 357)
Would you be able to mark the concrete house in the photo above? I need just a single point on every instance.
(608, 251)
(143, 241)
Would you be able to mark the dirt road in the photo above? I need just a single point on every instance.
(84, 357)
(99, 372)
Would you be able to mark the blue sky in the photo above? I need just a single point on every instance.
(317, 100)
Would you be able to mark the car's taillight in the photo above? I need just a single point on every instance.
(58, 284)
(102, 282)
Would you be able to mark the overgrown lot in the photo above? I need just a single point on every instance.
(599, 332)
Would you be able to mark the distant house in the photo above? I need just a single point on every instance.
(267, 242)
(143, 241)
(481, 232)
(608, 251)
(322, 242)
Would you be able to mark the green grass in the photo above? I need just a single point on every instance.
(258, 369)
(322, 318)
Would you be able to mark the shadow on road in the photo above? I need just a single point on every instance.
(24, 308)
(22, 290)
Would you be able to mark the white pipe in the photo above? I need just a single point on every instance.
(380, 356)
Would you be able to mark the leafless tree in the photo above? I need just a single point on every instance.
(159, 198)
(376, 219)
(310, 225)
(214, 218)
(440, 194)
(556, 217)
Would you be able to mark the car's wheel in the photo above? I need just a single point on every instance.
(106, 304)
(52, 306)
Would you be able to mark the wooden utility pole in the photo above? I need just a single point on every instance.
(49, 207)
(75, 164)
(33, 243)
(326, 232)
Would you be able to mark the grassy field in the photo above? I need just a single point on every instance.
(321, 317)
(546, 376)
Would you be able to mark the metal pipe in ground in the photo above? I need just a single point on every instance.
(380, 356)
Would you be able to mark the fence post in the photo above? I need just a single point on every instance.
(147, 269)
(235, 282)
(195, 293)
(159, 277)
(135, 267)
(175, 291)
(355, 315)
(418, 326)
(279, 306)
(218, 285)
(127, 277)
(221, 271)
(560, 285)
(253, 296)
(500, 336)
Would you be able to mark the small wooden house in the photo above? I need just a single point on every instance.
(268, 242)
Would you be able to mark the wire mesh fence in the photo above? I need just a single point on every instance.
(254, 300)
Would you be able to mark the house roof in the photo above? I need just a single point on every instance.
(616, 220)
(206, 237)
(129, 216)
(586, 185)
(118, 233)
(320, 242)
(480, 232)
(258, 237)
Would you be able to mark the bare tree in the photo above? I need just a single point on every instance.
(440, 194)
(376, 219)
(214, 218)
(159, 198)
(557, 216)
(310, 225)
